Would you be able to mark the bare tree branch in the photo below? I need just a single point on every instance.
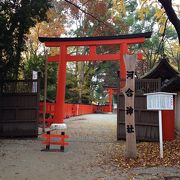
(86, 2)
(87, 13)
(172, 16)
(161, 44)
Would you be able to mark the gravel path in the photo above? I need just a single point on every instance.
(91, 139)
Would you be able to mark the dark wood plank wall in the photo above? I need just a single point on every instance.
(19, 108)
(146, 122)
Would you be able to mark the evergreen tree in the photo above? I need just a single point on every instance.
(16, 17)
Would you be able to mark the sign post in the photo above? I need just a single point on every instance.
(160, 133)
(129, 93)
(160, 101)
(34, 77)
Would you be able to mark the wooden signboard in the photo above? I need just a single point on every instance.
(160, 101)
(129, 92)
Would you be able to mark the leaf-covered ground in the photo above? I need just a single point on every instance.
(148, 155)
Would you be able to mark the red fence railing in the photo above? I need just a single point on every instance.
(70, 110)
(104, 108)
(78, 109)
(55, 139)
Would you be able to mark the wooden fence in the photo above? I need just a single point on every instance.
(146, 122)
(19, 108)
(147, 85)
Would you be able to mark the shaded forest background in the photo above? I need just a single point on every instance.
(22, 22)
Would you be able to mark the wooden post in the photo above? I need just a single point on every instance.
(45, 91)
(62, 140)
(129, 93)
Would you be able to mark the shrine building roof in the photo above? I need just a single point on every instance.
(162, 69)
(68, 39)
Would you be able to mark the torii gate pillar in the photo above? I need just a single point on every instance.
(61, 81)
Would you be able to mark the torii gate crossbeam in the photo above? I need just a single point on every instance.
(92, 42)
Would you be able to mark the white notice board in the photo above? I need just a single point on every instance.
(160, 101)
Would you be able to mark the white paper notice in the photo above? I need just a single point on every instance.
(160, 102)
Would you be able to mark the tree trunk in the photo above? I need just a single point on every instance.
(172, 16)
(19, 49)
(81, 82)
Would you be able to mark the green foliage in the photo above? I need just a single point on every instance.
(79, 87)
(105, 75)
(16, 17)
(71, 92)
(36, 63)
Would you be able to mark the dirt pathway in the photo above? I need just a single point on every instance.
(91, 139)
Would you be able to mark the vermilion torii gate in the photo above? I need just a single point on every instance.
(111, 92)
(92, 42)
